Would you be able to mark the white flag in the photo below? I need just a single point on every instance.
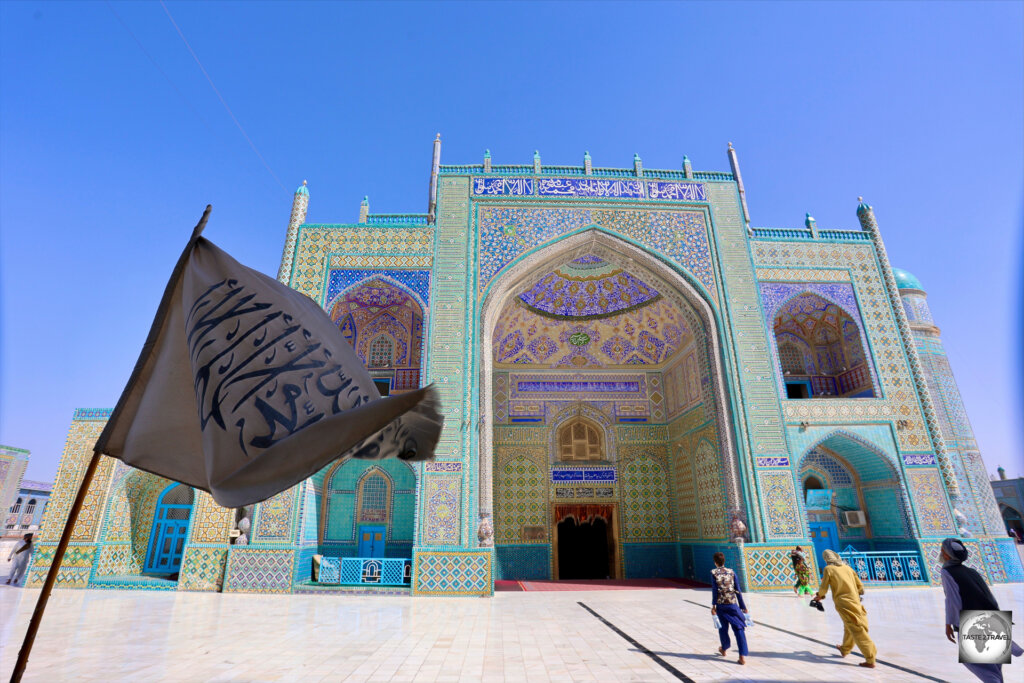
(245, 388)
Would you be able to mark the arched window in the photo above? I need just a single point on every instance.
(579, 440)
(812, 483)
(381, 352)
(821, 350)
(31, 507)
(16, 508)
(373, 498)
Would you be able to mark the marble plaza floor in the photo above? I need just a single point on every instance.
(621, 635)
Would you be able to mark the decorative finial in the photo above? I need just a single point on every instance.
(636, 157)
(303, 182)
(730, 145)
(366, 199)
(438, 137)
(860, 199)
(536, 152)
(586, 154)
(686, 158)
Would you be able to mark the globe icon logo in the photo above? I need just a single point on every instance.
(985, 637)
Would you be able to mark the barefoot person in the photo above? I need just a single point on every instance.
(965, 588)
(727, 603)
(20, 554)
(846, 591)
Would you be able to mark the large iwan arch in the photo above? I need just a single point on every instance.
(638, 358)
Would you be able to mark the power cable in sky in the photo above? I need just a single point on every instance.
(221, 97)
(163, 73)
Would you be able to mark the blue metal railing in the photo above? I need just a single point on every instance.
(366, 571)
(897, 566)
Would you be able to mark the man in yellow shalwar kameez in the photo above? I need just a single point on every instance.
(846, 591)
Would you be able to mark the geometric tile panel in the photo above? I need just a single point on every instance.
(202, 569)
(520, 496)
(443, 494)
(117, 559)
(992, 560)
(257, 570)
(929, 496)
(975, 560)
(769, 567)
(211, 523)
(710, 491)
(274, 516)
(1013, 572)
(74, 569)
(355, 247)
(780, 504)
(646, 510)
(81, 438)
(452, 572)
(508, 231)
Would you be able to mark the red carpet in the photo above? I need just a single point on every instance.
(596, 585)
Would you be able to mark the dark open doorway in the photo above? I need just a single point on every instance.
(583, 549)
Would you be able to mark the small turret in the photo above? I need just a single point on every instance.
(687, 168)
(812, 225)
(364, 209)
(536, 161)
(588, 167)
(638, 166)
(487, 161)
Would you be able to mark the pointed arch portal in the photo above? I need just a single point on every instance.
(594, 344)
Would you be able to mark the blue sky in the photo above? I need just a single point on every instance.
(112, 142)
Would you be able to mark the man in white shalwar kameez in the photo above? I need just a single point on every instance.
(20, 554)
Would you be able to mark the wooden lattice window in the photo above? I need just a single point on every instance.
(381, 352)
(579, 440)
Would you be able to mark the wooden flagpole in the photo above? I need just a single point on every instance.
(51, 576)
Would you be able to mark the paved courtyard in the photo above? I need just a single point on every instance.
(623, 635)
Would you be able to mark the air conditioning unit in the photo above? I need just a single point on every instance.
(854, 518)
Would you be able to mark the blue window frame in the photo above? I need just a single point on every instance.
(170, 528)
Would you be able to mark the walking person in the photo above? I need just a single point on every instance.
(20, 554)
(965, 588)
(846, 591)
(803, 576)
(727, 605)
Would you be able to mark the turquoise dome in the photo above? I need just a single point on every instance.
(302, 189)
(905, 280)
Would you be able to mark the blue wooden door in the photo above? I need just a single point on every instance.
(825, 536)
(371, 541)
(170, 528)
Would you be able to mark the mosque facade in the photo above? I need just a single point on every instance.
(633, 378)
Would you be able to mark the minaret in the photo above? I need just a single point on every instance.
(435, 168)
(866, 216)
(735, 164)
(976, 500)
(300, 204)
